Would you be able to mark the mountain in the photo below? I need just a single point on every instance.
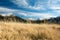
(11, 18)
(14, 18)
(54, 20)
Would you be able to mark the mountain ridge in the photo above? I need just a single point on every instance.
(14, 18)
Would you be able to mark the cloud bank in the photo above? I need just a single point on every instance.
(31, 9)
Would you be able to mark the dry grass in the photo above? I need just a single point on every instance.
(22, 31)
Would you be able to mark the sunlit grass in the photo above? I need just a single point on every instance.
(28, 31)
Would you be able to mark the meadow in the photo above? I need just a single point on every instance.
(29, 31)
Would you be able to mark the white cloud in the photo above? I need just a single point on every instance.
(46, 16)
(55, 7)
(6, 14)
(43, 15)
(22, 13)
(2, 9)
(39, 7)
(53, 4)
(31, 15)
(22, 3)
(57, 12)
(3, 14)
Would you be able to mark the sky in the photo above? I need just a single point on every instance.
(31, 9)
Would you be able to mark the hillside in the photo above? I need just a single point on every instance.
(12, 18)
(54, 20)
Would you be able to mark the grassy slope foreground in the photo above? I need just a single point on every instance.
(22, 31)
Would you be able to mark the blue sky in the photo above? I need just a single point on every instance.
(31, 9)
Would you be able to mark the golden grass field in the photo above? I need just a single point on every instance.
(29, 31)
